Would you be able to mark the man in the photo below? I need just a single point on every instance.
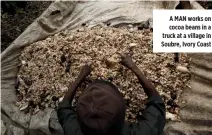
(101, 109)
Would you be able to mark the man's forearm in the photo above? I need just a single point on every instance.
(73, 88)
(85, 71)
(149, 89)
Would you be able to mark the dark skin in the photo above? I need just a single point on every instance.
(85, 71)
(149, 89)
(126, 61)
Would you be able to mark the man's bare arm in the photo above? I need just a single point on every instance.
(149, 89)
(85, 71)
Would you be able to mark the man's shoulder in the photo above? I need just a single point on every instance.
(152, 120)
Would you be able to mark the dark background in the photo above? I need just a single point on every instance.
(16, 16)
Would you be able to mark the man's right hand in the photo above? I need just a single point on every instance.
(127, 61)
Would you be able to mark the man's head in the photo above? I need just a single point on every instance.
(101, 109)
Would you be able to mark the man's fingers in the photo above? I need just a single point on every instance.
(89, 63)
(124, 55)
